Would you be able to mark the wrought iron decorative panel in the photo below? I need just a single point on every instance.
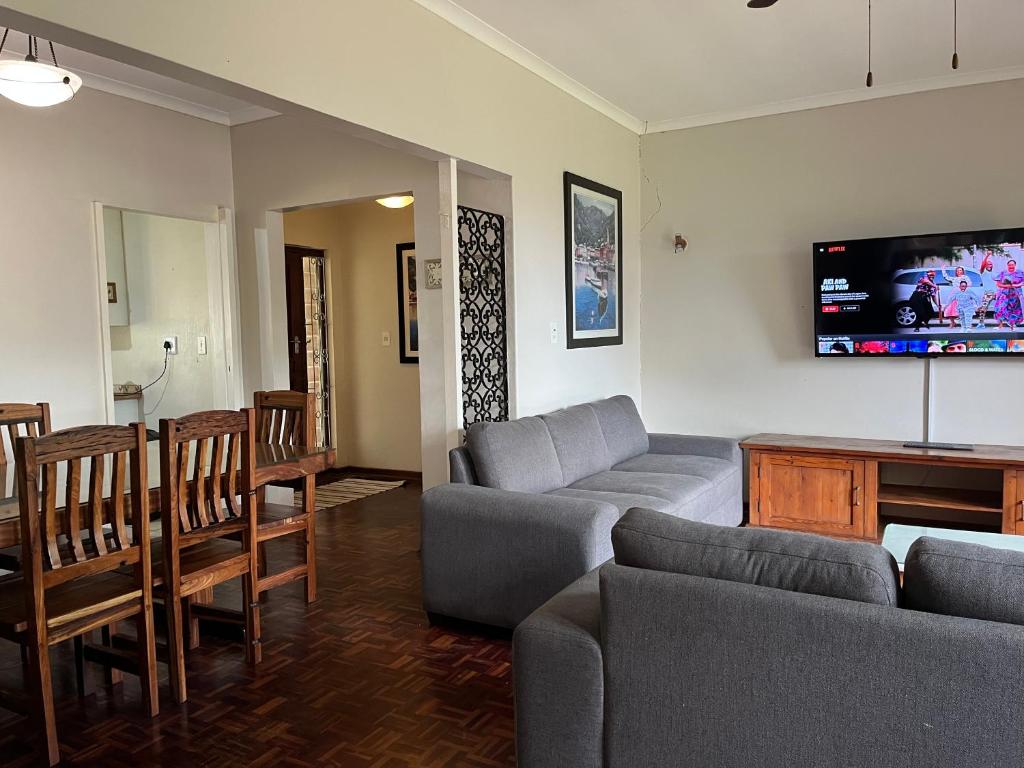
(482, 303)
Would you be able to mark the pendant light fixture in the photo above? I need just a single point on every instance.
(35, 83)
(871, 75)
(956, 51)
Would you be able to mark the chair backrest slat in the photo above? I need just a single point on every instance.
(117, 505)
(181, 482)
(285, 417)
(72, 516)
(96, 511)
(198, 487)
(216, 489)
(51, 525)
(231, 508)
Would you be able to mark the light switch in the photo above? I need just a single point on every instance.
(554, 333)
(385, 338)
(201, 345)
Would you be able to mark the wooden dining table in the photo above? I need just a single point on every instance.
(274, 463)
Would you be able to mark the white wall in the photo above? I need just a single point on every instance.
(285, 163)
(165, 262)
(376, 397)
(57, 162)
(728, 325)
(399, 69)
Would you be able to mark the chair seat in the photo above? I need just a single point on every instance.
(209, 555)
(67, 603)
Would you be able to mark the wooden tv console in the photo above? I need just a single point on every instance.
(831, 485)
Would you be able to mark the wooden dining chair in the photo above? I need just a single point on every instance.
(17, 420)
(286, 418)
(86, 565)
(208, 522)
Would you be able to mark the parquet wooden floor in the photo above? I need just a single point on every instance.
(358, 680)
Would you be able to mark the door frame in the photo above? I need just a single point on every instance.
(222, 288)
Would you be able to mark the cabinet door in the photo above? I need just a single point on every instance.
(812, 494)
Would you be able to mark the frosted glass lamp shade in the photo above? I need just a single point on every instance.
(398, 201)
(36, 84)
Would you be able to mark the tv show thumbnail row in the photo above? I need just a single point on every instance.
(847, 346)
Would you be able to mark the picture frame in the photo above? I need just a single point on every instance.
(593, 263)
(408, 320)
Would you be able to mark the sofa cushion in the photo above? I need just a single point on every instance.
(515, 455)
(959, 579)
(677, 489)
(623, 501)
(624, 430)
(706, 467)
(579, 442)
(797, 562)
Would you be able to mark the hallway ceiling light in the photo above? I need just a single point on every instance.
(34, 83)
(397, 201)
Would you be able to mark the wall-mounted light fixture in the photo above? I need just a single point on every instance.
(680, 243)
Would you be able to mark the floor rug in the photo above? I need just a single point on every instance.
(349, 489)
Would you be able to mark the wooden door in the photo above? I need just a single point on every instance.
(1013, 502)
(298, 339)
(813, 494)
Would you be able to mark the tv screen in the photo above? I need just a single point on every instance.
(960, 293)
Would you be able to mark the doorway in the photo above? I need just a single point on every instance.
(168, 313)
(306, 310)
(344, 329)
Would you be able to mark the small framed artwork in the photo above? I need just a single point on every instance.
(111, 293)
(593, 263)
(432, 272)
(408, 326)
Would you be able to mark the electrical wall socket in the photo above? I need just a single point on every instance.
(385, 338)
(201, 345)
(554, 333)
(173, 341)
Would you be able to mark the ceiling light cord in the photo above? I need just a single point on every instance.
(870, 81)
(3, 40)
(956, 44)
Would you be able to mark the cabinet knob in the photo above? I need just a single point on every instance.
(856, 495)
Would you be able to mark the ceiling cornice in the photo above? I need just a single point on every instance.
(478, 28)
(166, 101)
(839, 97)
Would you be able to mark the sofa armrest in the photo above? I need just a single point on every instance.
(494, 556)
(697, 445)
(559, 680)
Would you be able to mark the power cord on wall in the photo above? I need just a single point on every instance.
(150, 412)
(167, 353)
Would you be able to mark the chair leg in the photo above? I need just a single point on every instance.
(309, 506)
(191, 621)
(42, 685)
(175, 647)
(251, 609)
(79, 643)
(261, 569)
(147, 659)
(111, 675)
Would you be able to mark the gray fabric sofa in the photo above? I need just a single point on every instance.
(748, 648)
(533, 501)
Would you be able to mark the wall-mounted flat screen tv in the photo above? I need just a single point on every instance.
(959, 293)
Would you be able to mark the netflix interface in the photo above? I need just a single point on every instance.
(957, 293)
